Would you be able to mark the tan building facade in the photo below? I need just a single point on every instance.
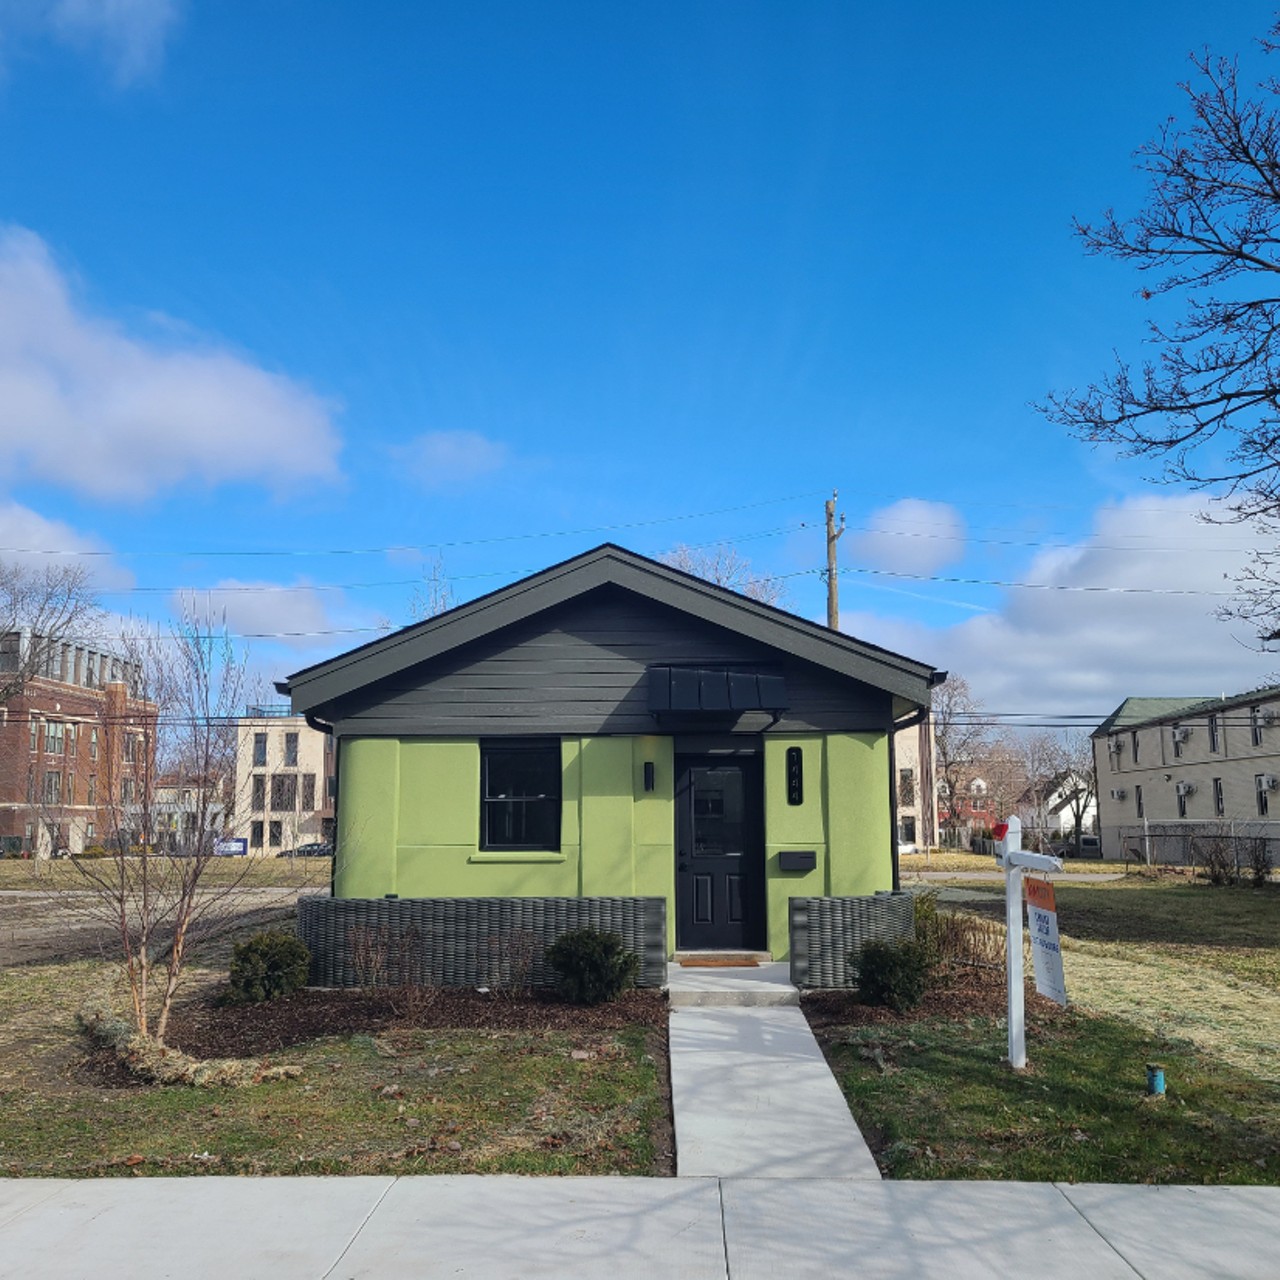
(1172, 769)
(916, 787)
(283, 797)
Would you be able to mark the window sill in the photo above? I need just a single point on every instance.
(517, 855)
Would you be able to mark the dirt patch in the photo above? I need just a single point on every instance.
(206, 1028)
(966, 992)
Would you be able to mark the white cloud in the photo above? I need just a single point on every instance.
(294, 614)
(27, 537)
(911, 536)
(85, 405)
(129, 35)
(441, 459)
(1058, 650)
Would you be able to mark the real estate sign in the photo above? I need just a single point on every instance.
(1046, 951)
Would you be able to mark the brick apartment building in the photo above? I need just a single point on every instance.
(77, 747)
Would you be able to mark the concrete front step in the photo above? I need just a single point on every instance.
(765, 985)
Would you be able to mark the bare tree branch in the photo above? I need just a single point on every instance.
(724, 566)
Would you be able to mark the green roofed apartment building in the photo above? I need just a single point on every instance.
(614, 727)
(1174, 771)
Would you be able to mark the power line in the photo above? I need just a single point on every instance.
(1035, 586)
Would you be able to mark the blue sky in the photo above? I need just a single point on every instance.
(301, 278)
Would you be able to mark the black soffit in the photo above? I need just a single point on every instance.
(715, 690)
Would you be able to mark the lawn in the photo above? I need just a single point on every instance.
(251, 873)
(959, 860)
(936, 1101)
(1158, 968)
(560, 1099)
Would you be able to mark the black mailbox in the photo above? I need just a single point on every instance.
(797, 859)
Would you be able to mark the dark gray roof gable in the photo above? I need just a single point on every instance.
(608, 565)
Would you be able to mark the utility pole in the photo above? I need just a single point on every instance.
(833, 572)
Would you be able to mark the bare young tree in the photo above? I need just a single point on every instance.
(434, 595)
(726, 567)
(40, 608)
(1206, 404)
(959, 738)
(1080, 780)
(170, 750)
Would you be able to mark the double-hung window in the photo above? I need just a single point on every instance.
(520, 794)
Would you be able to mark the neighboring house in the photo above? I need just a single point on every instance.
(968, 814)
(188, 815)
(917, 794)
(283, 794)
(612, 726)
(77, 748)
(1050, 811)
(1170, 769)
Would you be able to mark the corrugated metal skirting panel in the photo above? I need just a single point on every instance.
(824, 931)
(467, 942)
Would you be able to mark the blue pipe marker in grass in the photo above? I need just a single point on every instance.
(1155, 1080)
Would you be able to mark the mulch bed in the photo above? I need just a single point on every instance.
(966, 992)
(206, 1029)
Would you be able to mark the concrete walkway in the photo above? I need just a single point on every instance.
(751, 1093)
(508, 1228)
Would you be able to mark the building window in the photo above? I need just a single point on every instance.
(290, 750)
(126, 791)
(1133, 741)
(1182, 804)
(275, 834)
(907, 829)
(93, 744)
(259, 750)
(1214, 740)
(284, 792)
(907, 787)
(90, 831)
(92, 797)
(520, 794)
(1219, 800)
(1176, 735)
(31, 784)
(35, 734)
(52, 787)
(71, 787)
(1137, 800)
(131, 748)
(258, 800)
(255, 835)
(1260, 786)
(1255, 726)
(308, 791)
(71, 739)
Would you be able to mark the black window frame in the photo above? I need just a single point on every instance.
(1137, 801)
(259, 750)
(1215, 743)
(1219, 799)
(1260, 790)
(492, 751)
(1255, 725)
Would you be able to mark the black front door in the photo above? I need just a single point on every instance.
(719, 854)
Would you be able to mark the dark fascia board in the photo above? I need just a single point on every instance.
(607, 565)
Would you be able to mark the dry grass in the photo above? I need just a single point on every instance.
(956, 860)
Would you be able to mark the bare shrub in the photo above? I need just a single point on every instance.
(1216, 854)
(970, 940)
(1257, 859)
(508, 961)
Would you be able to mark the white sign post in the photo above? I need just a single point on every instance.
(1015, 862)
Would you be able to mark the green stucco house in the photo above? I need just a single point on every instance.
(611, 727)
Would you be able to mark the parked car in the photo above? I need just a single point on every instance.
(1090, 847)
(318, 849)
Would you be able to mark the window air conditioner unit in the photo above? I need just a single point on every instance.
(1181, 733)
(1185, 788)
(1118, 793)
(1269, 716)
(1115, 746)
(1270, 781)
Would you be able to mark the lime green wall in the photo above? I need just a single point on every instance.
(409, 822)
(843, 818)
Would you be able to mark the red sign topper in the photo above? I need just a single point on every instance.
(1000, 830)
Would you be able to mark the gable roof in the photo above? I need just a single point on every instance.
(609, 565)
(1133, 713)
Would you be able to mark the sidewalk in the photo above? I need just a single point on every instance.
(509, 1228)
(751, 1093)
